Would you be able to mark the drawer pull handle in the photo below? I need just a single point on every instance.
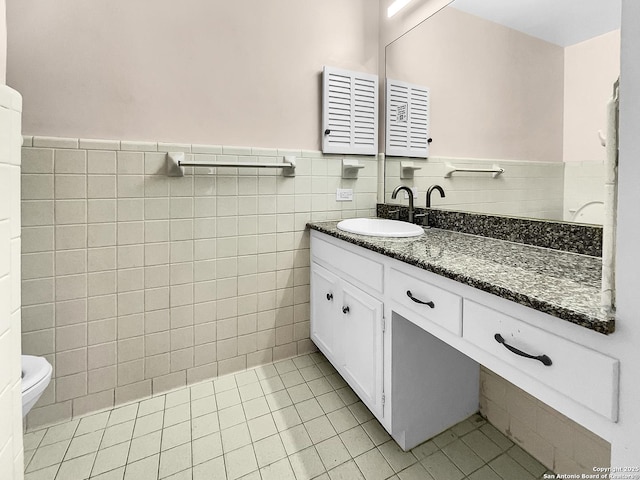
(345, 310)
(541, 358)
(429, 304)
(329, 296)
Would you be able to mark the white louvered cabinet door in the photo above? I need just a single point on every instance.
(407, 120)
(349, 112)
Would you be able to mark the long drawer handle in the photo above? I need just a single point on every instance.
(429, 304)
(541, 358)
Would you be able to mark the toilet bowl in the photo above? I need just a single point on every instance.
(36, 375)
(590, 212)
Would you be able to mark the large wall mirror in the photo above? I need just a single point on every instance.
(519, 84)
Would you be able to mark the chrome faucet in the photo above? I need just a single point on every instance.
(410, 193)
(430, 191)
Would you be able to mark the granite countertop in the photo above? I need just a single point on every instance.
(565, 285)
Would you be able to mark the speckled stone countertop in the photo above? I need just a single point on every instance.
(562, 284)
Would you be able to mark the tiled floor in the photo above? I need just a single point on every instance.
(296, 419)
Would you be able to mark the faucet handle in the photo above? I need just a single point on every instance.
(420, 218)
(395, 213)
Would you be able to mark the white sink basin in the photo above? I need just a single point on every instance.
(380, 227)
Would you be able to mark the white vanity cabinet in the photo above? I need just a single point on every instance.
(347, 326)
(410, 342)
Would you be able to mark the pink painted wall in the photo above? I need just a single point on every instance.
(591, 68)
(487, 101)
(236, 73)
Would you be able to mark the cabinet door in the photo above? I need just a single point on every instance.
(361, 345)
(325, 295)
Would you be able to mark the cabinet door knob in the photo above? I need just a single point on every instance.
(428, 304)
(544, 359)
(329, 296)
(345, 310)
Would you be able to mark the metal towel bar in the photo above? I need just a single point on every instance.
(176, 164)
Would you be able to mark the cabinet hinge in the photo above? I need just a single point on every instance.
(384, 325)
(384, 399)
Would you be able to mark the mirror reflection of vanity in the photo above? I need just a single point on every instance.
(515, 92)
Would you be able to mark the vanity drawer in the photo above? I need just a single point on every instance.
(586, 376)
(433, 303)
(361, 269)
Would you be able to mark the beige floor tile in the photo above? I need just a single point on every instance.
(445, 438)
(235, 437)
(464, 458)
(309, 409)
(183, 475)
(415, 472)
(482, 445)
(319, 429)
(123, 414)
(175, 460)
(231, 416)
(347, 395)
(507, 467)
(303, 361)
(48, 455)
(119, 433)
(93, 423)
(269, 450)
(336, 381)
(207, 448)
(31, 440)
(286, 418)
(116, 474)
(176, 435)
(179, 397)
(291, 379)
(203, 405)
(245, 378)
(205, 425)
(330, 402)
(376, 432)
(76, 469)
(300, 393)
(320, 386)
(425, 449)
(255, 408)
(84, 444)
(373, 465)
(496, 436)
(48, 473)
(240, 462)
(148, 423)
(342, 420)
(265, 371)
(178, 414)
(145, 469)
(361, 412)
(394, 455)
(250, 391)
(59, 433)
(533, 466)
(440, 467)
(228, 398)
(262, 427)
(295, 439)
(280, 470)
(211, 470)
(346, 471)
(306, 464)
(311, 373)
(151, 405)
(145, 446)
(271, 385)
(285, 366)
(111, 458)
(485, 473)
(278, 400)
(332, 452)
(201, 390)
(222, 384)
(357, 441)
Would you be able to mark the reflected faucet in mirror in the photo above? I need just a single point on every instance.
(409, 193)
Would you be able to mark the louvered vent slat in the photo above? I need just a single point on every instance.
(407, 120)
(350, 112)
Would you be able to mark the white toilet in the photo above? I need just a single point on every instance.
(36, 375)
(590, 212)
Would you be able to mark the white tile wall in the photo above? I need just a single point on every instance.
(525, 189)
(583, 182)
(135, 283)
(11, 445)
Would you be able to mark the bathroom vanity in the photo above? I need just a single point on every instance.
(407, 322)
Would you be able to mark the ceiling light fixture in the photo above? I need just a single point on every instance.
(396, 6)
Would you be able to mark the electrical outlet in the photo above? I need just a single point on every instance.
(344, 194)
